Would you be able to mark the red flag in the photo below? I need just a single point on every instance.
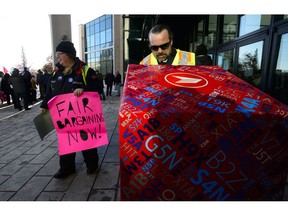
(5, 70)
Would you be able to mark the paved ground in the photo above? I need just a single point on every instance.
(27, 164)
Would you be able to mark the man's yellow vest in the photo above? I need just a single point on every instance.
(181, 58)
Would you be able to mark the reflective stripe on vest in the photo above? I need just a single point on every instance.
(181, 58)
(84, 73)
(185, 58)
(149, 60)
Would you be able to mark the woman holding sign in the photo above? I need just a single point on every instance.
(68, 78)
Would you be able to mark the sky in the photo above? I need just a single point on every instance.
(20, 32)
(26, 23)
(32, 33)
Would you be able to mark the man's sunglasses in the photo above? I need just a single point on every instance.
(163, 46)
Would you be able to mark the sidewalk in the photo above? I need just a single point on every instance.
(27, 164)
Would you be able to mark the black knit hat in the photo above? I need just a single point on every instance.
(66, 47)
(15, 72)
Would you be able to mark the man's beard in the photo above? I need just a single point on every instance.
(163, 58)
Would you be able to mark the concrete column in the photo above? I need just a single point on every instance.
(118, 44)
(60, 30)
(81, 42)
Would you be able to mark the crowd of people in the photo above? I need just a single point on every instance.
(20, 87)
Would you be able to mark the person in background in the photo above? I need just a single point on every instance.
(118, 83)
(202, 58)
(162, 50)
(33, 89)
(38, 77)
(18, 83)
(101, 85)
(8, 91)
(67, 78)
(1, 76)
(43, 81)
(109, 80)
(2, 95)
(27, 75)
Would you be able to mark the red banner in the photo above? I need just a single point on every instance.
(200, 133)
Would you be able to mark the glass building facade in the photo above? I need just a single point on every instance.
(99, 43)
(251, 46)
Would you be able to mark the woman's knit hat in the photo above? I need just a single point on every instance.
(66, 47)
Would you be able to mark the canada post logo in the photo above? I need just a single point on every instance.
(186, 80)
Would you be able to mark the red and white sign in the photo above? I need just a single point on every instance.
(186, 80)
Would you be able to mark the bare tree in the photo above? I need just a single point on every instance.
(24, 59)
(49, 65)
(249, 69)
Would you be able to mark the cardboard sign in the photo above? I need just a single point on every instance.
(79, 122)
(200, 133)
(43, 124)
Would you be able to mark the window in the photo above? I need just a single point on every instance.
(200, 31)
(250, 23)
(102, 37)
(281, 74)
(109, 23)
(98, 56)
(102, 26)
(249, 63)
(97, 39)
(103, 55)
(92, 30)
(102, 18)
(229, 28)
(110, 54)
(210, 39)
(226, 59)
(88, 42)
(97, 27)
(282, 63)
(109, 35)
(92, 41)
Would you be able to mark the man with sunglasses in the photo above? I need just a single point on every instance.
(160, 43)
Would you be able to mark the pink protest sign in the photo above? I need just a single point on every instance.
(79, 122)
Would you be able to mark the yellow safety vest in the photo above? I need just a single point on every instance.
(85, 69)
(181, 58)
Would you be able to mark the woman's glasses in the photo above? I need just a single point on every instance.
(58, 54)
(163, 46)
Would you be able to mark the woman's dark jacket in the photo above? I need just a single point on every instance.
(59, 83)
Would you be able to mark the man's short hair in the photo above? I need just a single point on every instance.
(159, 28)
